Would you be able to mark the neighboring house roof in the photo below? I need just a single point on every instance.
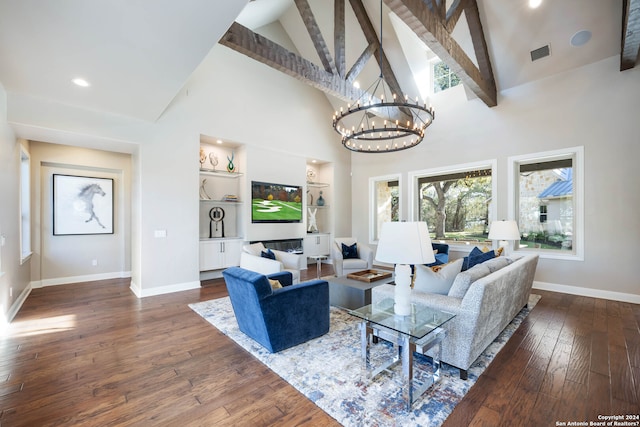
(561, 188)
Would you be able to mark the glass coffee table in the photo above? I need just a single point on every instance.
(418, 332)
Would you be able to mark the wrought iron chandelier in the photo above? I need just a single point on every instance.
(400, 122)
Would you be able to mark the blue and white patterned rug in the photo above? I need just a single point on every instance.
(327, 370)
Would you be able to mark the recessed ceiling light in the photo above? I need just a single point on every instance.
(580, 38)
(533, 4)
(356, 84)
(80, 82)
(219, 141)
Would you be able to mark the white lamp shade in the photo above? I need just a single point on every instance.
(504, 230)
(405, 243)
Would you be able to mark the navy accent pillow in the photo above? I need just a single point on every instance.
(476, 256)
(349, 251)
(268, 254)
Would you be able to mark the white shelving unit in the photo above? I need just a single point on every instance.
(220, 241)
(317, 243)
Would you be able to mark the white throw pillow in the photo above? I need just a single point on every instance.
(254, 249)
(437, 282)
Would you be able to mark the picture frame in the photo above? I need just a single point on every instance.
(82, 205)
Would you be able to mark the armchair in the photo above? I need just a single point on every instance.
(281, 318)
(252, 259)
(442, 257)
(344, 266)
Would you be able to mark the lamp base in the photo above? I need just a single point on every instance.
(402, 294)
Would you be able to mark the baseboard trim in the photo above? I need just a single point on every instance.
(587, 292)
(77, 279)
(161, 290)
(14, 309)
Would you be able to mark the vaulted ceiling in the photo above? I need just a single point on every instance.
(138, 55)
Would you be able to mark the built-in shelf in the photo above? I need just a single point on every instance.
(221, 174)
(211, 239)
(220, 202)
(317, 206)
(317, 184)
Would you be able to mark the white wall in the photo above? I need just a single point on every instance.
(68, 259)
(235, 98)
(14, 278)
(281, 122)
(594, 107)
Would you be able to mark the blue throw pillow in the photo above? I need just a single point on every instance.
(268, 254)
(476, 256)
(349, 251)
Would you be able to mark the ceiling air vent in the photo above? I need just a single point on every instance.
(540, 52)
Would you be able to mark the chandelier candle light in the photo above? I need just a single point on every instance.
(402, 244)
(401, 122)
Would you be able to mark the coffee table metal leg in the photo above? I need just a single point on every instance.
(406, 354)
(365, 333)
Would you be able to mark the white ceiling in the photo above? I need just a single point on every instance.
(138, 54)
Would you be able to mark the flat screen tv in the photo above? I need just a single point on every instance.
(275, 202)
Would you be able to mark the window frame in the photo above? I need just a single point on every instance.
(24, 205)
(414, 177)
(374, 233)
(576, 154)
(434, 62)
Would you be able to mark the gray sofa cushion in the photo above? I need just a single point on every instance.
(496, 264)
(466, 278)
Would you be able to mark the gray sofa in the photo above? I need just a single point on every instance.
(485, 299)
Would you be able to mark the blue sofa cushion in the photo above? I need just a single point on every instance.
(350, 251)
(476, 256)
(442, 256)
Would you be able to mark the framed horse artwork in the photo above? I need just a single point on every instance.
(82, 205)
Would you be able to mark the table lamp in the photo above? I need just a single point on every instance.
(402, 244)
(504, 231)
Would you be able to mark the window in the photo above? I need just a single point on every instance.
(443, 77)
(384, 194)
(547, 202)
(25, 205)
(456, 203)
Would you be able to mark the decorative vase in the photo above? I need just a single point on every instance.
(320, 201)
(230, 166)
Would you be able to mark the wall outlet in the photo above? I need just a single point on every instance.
(94, 262)
(10, 292)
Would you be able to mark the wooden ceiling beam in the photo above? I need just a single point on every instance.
(432, 30)
(361, 62)
(453, 14)
(479, 44)
(316, 36)
(372, 38)
(630, 34)
(243, 40)
(339, 37)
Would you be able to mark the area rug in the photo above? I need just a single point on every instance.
(328, 371)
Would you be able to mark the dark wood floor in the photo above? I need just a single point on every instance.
(92, 354)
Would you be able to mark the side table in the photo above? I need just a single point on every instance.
(418, 332)
(319, 259)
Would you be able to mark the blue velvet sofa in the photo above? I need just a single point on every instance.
(278, 318)
(442, 257)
